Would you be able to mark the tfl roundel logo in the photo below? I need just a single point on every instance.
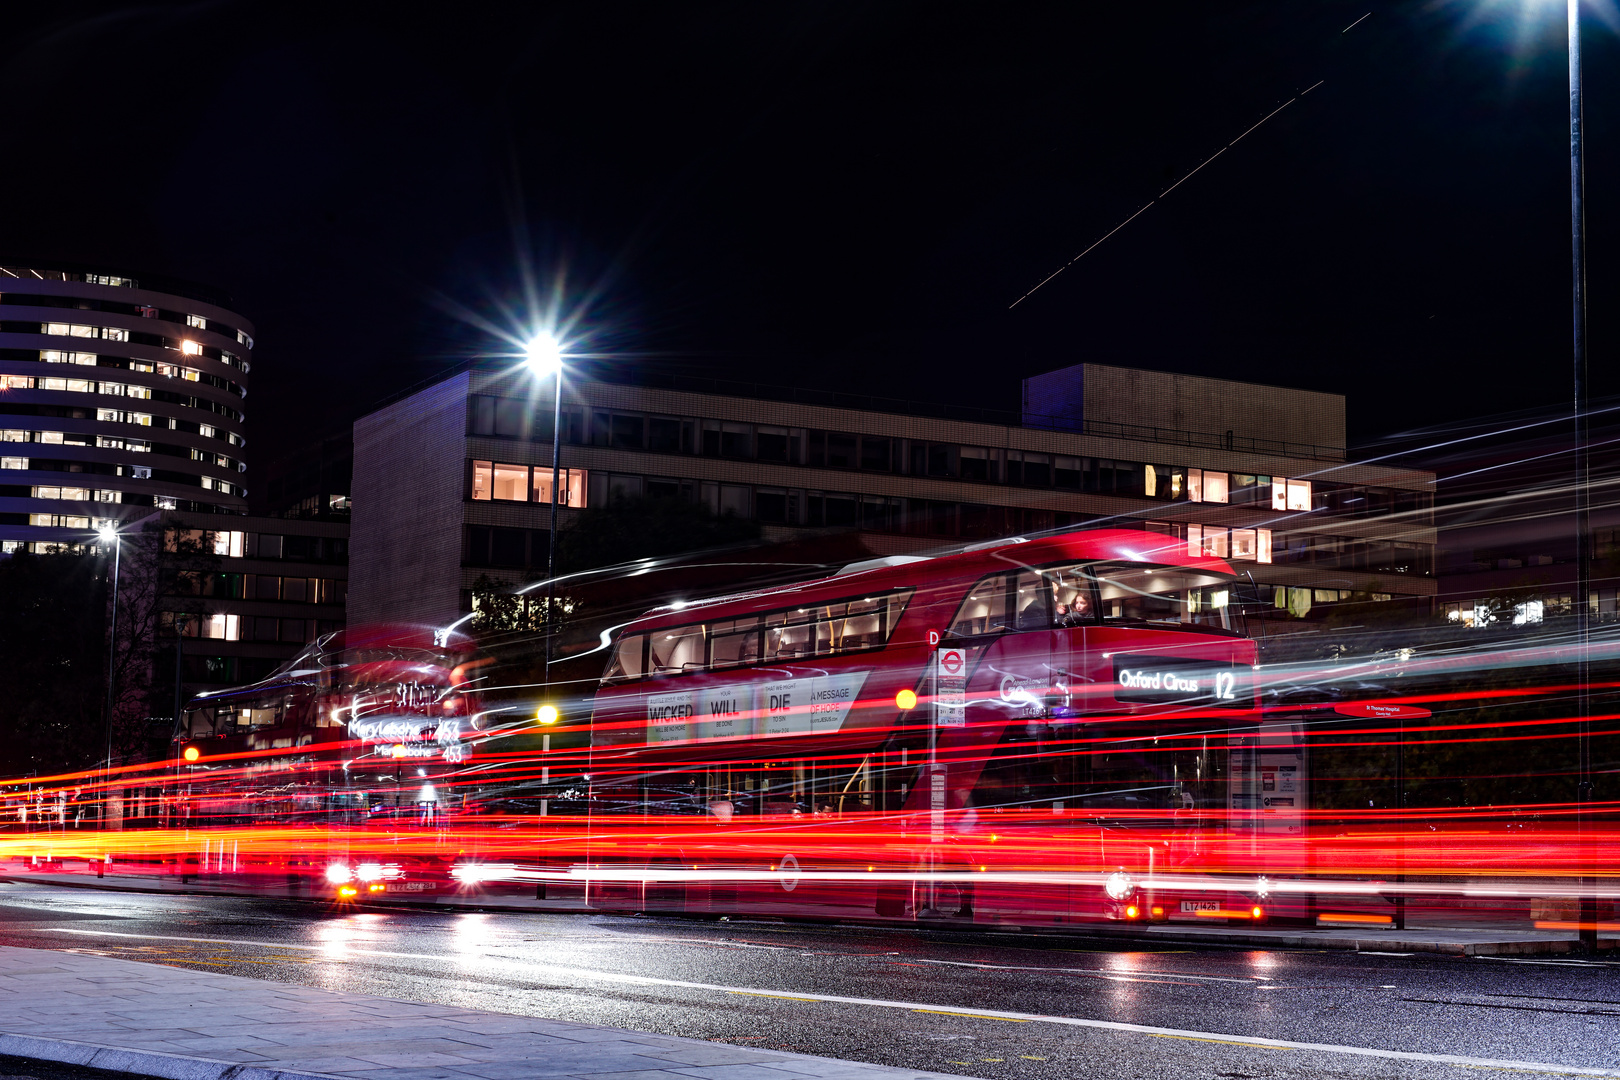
(950, 661)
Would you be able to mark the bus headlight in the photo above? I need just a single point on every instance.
(337, 873)
(368, 871)
(1262, 886)
(1119, 885)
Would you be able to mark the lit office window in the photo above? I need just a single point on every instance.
(113, 333)
(482, 474)
(1290, 494)
(571, 482)
(190, 348)
(1206, 485)
(197, 322)
(1262, 545)
(511, 483)
(57, 356)
(16, 382)
(13, 463)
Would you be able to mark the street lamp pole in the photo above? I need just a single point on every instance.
(551, 531)
(1583, 538)
(109, 534)
(545, 357)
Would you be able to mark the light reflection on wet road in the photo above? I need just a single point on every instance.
(767, 984)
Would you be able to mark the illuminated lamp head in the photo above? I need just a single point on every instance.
(547, 715)
(906, 699)
(543, 354)
(107, 531)
(192, 753)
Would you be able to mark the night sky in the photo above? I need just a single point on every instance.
(838, 195)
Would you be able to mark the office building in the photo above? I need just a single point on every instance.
(453, 483)
(119, 395)
(246, 592)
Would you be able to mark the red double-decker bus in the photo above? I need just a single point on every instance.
(1029, 731)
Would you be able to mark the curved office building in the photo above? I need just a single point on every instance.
(118, 396)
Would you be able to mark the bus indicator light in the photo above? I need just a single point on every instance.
(1257, 912)
(906, 699)
(547, 714)
(1132, 912)
(192, 753)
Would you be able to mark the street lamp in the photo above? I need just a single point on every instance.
(108, 532)
(544, 357)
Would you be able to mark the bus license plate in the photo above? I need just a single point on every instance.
(1200, 905)
(410, 886)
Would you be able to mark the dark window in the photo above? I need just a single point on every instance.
(711, 442)
(664, 435)
(875, 453)
(307, 548)
(264, 629)
(511, 416)
(1066, 472)
(627, 432)
(295, 590)
(736, 440)
(663, 487)
(295, 630)
(475, 547)
(269, 545)
(481, 415)
(939, 461)
(976, 464)
(507, 547)
(770, 505)
(841, 510)
(840, 451)
(1037, 470)
(267, 587)
(816, 449)
(601, 429)
(772, 444)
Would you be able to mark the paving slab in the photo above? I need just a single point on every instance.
(189, 1025)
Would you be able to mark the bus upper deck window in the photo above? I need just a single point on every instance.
(985, 609)
(676, 650)
(735, 641)
(627, 658)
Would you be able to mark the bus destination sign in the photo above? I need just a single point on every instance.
(1160, 680)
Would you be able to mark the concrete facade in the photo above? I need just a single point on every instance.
(422, 536)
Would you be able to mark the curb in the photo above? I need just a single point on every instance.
(141, 1062)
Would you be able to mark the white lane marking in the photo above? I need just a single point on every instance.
(914, 1006)
(1088, 971)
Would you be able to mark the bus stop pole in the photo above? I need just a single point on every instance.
(936, 808)
(1400, 823)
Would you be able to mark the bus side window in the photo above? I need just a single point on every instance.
(788, 634)
(677, 650)
(1033, 601)
(734, 642)
(985, 609)
(627, 659)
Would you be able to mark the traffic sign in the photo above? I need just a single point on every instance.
(1383, 712)
(951, 662)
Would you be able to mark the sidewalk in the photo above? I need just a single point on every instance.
(186, 1025)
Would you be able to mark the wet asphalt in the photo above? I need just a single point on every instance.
(760, 983)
